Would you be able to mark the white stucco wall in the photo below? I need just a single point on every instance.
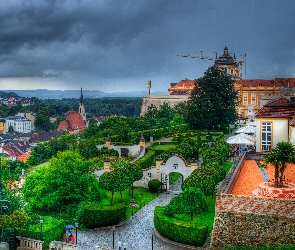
(133, 149)
(280, 131)
(173, 164)
(292, 139)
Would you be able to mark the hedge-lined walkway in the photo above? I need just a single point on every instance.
(136, 232)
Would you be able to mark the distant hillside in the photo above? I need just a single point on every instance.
(60, 94)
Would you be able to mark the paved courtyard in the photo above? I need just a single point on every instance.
(136, 231)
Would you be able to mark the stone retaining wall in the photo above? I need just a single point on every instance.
(251, 229)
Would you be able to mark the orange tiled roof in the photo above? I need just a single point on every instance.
(74, 121)
(24, 157)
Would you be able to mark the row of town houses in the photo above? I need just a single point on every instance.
(20, 123)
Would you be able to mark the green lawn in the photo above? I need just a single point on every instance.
(163, 147)
(227, 165)
(141, 195)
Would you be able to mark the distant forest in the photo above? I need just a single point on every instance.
(106, 106)
(98, 107)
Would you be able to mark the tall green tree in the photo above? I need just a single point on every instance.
(66, 180)
(191, 201)
(279, 157)
(212, 101)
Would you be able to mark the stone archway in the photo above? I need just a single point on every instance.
(175, 163)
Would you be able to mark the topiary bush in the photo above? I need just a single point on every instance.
(93, 215)
(154, 185)
(186, 232)
(191, 201)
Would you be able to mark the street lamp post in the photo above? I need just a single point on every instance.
(113, 238)
(41, 223)
(152, 231)
(76, 226)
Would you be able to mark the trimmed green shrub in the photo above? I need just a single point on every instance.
(191, 201)
(154, 185)
(186, 232)
(93, 215)
(147, 160)
(204, 178)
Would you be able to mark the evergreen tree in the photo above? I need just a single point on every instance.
(212, 101)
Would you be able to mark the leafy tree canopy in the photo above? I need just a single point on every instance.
(191, 201)
(212, 101)
(66, 180)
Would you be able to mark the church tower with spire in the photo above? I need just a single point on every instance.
(228, 64)
(82, 107)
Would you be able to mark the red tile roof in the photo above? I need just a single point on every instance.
(74, 121)
(277, 82)
(24, 157)
(280, 107)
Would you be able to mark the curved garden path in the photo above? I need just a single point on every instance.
(136, 231)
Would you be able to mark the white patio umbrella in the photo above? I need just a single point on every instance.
(241, 139)
(246, 129)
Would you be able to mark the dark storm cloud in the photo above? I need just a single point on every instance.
(119, 45)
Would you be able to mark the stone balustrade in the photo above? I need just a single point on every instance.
(29, 244)
(60, 245)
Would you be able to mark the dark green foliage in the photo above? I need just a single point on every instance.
(87, 148)
(44, 151)
(187, 148)
(108, 152)
(42, 121)
(98, 106)
(212, 101)
(191, 201)
(52, 229)
(204, 178)
(147, 160)
(93, 215)
(186, 232)
(134, 170)
(154, 185)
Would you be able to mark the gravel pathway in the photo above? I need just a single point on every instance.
(136, 231)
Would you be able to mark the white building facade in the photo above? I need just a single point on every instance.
(19, 124)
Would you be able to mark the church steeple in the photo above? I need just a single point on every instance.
(82, 107)
(81, 97)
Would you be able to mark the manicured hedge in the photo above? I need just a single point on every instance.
(93, 215)
(148, 160)
(185, 232)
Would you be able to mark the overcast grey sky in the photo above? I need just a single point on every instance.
(118, 45)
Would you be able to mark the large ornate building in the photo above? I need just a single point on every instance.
(250, 92)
